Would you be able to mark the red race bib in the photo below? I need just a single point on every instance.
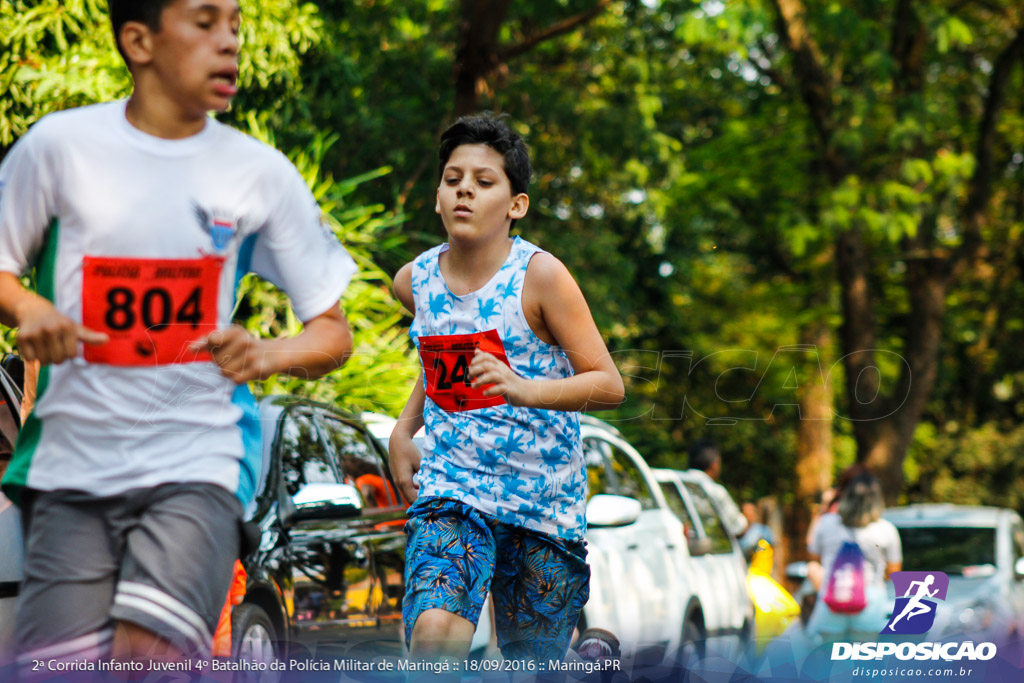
(446, 362)
(151, 309)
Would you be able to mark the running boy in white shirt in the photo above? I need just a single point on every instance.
(139, 217)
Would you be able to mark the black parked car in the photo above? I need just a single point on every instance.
(326, 577)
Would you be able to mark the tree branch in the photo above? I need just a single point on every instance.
(908, 45)
(768, 68)
(980, 187)
(815, 84)
(558, 28)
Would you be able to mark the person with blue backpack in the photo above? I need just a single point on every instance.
(859, 550)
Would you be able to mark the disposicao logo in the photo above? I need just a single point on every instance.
(914, 614)
(916, 595)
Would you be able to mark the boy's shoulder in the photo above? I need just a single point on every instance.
(424, 258)
(246, 144)
(67, 125)
(545, 272)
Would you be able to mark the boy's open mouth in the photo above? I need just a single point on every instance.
(462, 210)
(224, 82)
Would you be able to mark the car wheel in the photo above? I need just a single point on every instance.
(691, 649)
(252, 634)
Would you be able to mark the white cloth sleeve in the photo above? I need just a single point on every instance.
(27, 202)
(894, 548)
(299, 254)
(734, 517)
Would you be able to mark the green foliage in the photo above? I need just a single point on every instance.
(379, 373)
(60, 54)
(967, 466)
(54, 54)
(677, 174)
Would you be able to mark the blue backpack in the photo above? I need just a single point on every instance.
(844, 593)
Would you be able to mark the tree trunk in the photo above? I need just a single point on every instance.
(813, 445)
(477, 52)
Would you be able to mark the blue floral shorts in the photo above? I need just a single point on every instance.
(455, 554)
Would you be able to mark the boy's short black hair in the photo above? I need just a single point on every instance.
(488, 129)
(703, 454)
(143, 11)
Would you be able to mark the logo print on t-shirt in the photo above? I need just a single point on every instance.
(217, 225)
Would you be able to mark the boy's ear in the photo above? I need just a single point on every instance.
(437, 202)
(137, 42)
(520, 205)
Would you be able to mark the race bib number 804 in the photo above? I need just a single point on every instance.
(151, 309)
(446, 362)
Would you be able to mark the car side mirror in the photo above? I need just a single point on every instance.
(605, 510)
(1018, 568)
(796, 571)
(698, 546)
(324, 500)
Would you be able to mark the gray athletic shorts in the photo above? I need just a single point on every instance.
(158, 557)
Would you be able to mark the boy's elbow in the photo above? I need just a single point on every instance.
(612, 396)
(335, 345)
(343, 345)
(618, 395)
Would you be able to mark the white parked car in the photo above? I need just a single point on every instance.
(716, 556)
(981, 549)
(642, 585)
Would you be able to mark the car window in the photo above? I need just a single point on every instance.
(599, 478)
(304, 459)
(709, 519)
(677, 505)
(947, 549)
(631, 480)
(359, 463)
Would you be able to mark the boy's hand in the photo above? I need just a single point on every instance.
(241, 357)
(50, 337)
(486, 369)
(405, 462)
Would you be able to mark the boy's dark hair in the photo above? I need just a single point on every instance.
(143, 11)
(490, 130)
(703, 454)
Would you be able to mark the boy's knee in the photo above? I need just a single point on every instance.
(439, 632)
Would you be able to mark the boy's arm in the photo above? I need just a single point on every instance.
(44, 334)
(596, 384)
(404, 455)
(324, 344)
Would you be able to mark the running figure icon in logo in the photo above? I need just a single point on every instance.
(913, 612)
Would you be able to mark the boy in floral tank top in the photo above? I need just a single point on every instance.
(510, 355)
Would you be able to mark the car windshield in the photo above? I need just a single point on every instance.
(947, 549)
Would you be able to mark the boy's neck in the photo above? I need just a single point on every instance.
(157, 115)
(468, 267)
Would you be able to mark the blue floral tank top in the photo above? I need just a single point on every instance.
(523, 466)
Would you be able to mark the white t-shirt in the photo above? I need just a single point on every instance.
(879, 541)
(89, 200)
